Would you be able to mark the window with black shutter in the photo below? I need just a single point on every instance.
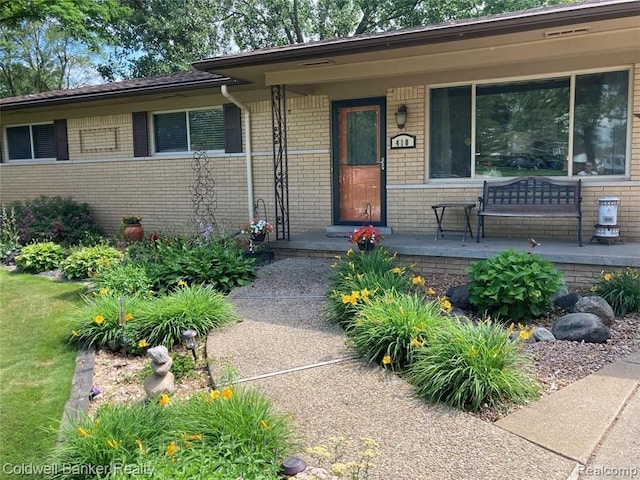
(189, 130)
(31, 142)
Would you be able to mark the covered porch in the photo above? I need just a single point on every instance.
(451, 255)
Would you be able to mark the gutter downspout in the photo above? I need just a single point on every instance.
(247, 128)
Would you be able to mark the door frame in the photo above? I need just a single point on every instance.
(335, 155)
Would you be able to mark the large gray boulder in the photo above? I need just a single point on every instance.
(459, 297)
(580, 327)
(598, 306)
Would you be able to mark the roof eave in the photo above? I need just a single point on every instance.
(439, 34)
(130, 92)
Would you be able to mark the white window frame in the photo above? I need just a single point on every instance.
(572, 79)
(151, 128)
(5, 140)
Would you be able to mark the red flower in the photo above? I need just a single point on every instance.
(366, 234)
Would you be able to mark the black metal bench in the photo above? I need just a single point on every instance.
(531, 197)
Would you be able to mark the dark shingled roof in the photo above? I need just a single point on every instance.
(170, 82)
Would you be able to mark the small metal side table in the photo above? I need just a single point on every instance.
(439, 209)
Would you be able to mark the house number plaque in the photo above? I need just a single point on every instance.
(403, 140)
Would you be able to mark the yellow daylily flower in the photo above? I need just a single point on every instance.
(349, 252)
(195, 436)
(74, 333)
(431, 291)
(99, 319)
(214, 394)
(608, 277)
(227, 393)
(141, 447)
(104, 291)
(386, 360)
(172, 448)
(82, 432)
(415, 342)
(181, 283)
(264, 424)
(114, 444)
(417, 280)
(165, 399)
(128, 317)
(143, 343)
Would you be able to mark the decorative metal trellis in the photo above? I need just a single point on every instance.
(280, 161)
(203, 191)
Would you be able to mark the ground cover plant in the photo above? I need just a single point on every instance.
(40, 257)
(227, 433)
(86, 261)
(36, 365)
(466, 365)
(390, 328)
(514, 285)
(621, 290)
(360, 276)
(172, 258)
(148, 321)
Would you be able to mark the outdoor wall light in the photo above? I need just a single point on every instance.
(189, 337)
(401, 116)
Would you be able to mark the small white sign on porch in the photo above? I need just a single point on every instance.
(403, 140)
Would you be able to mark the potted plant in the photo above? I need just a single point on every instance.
(132, 228)
(257, 230)
(366, 237)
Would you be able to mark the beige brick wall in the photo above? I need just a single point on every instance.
(101, 137)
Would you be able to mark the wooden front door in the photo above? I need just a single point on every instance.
(359, 157)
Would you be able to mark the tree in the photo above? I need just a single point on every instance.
(39, 57)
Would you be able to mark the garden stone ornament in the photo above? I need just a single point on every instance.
(161, 380)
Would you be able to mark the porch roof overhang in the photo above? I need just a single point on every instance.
(592, 26)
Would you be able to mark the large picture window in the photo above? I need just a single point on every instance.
(31, 142)
(188, 131)
(531, 127)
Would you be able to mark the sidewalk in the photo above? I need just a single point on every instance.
(286, 349)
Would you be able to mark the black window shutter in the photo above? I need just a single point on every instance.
(140, 134)
(62, 144)
(232, 128)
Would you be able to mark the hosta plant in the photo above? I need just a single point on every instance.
(85, 262)
(40, 257)
(514, 285)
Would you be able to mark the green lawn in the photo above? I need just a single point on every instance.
(36, 365)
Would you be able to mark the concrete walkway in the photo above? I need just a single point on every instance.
(285, 348)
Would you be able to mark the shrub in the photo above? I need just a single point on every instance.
(389, 329)
(88, 260)
(125, 278)
(40, 257)
(621, 290)
(514, 285)
(216, 263)
(228, 433)
(189, 307)
(59, 219)
(467, 365)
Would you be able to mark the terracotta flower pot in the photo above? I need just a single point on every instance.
(133, 233)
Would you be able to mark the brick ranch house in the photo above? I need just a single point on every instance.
(315, 129)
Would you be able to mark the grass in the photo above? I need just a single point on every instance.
(36, 364)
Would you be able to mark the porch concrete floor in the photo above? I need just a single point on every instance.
(621, 254)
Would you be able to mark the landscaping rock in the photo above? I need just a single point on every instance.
(157, 384)
(542, 334)
(567, 302)
(598, 306)
(581, 327)
(159, 354)
(161, 380)
(459, 297)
